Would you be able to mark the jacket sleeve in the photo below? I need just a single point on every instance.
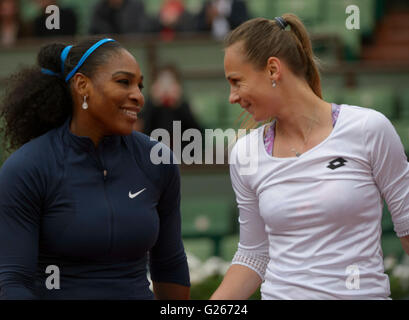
(168, 262)
(390, 168)
(19, 228)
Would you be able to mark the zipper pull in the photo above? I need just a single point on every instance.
(105, 174)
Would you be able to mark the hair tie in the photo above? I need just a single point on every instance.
(49, 72)
(281, 22)
(63, 56)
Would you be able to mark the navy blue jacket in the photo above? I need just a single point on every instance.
(67, 204)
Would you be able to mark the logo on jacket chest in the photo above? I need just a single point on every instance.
(133, 195)
(337, 163)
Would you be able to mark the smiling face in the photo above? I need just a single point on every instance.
(115, 96)
(249, 87)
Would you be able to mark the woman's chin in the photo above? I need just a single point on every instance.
(126, 130)
(260, 118)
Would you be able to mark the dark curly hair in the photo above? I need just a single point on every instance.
(34, 102)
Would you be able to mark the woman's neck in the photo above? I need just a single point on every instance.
(301, 113)
(82, 128)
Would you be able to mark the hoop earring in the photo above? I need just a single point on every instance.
(85, 104)
(274, 84)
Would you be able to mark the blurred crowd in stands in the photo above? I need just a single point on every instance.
(216, 17)
(167, 103)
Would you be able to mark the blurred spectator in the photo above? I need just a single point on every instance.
(166, 104)
(174, 18)
(11, 26)
(68, 21)
(119, 17)
(221, 16)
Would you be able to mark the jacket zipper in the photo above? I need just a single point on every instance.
(111, 211)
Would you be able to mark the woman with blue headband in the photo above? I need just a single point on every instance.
(83, 210)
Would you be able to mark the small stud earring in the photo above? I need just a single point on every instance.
(274, 84)
(85, 104)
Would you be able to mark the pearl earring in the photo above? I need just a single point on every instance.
(274, 84)
(85, 104)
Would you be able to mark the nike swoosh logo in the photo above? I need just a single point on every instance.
(133, 195)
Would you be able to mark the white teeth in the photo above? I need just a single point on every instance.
(131, 113)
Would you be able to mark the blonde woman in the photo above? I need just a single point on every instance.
(310, 215)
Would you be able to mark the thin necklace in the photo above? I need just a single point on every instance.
(292, 149)
(297, 154)
(307, 136)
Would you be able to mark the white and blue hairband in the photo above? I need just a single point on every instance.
(64, 55)
(281, 22)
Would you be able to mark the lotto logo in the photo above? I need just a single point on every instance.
(337, 163)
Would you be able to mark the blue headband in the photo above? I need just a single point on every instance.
(64, 55)
(85, 56)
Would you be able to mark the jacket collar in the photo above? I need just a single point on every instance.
(83, 143)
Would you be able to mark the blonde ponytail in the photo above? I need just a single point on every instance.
(304, 46)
